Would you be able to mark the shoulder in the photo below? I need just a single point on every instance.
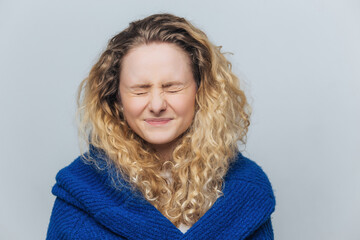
(249, 198)
(242, 169)
(80, 172)
(83, 190)
(88, 185)
(75, 179)
(86, 170)
(69, 222)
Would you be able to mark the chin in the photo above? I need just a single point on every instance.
(160, 141)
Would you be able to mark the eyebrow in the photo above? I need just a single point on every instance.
(141, 86)
(147, 85)
(168, 84)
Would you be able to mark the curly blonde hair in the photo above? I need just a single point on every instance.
(202, 157)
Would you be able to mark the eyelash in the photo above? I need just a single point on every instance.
(174, 91)
(143, 93)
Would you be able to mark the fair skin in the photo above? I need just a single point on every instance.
(157, 91)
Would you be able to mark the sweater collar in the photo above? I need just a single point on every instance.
(235, 215)
(246, 204)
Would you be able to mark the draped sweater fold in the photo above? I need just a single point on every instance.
(88, 206)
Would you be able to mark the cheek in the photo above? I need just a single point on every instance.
(184, 106)
(133, 107)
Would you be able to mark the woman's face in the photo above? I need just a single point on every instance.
(157, 90)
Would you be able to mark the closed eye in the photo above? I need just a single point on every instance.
(173, 88)
(173, 91)
(140, 93)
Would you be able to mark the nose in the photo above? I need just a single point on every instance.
(157, 102)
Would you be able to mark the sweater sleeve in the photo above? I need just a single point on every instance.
(69, 222)
(264, 232)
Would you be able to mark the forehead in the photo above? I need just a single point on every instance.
(157, 49)
(155, 61)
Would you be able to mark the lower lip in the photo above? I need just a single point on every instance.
(158, 123)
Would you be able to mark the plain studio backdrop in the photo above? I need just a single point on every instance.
(299, 62)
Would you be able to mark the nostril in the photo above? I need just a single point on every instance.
(157, 103)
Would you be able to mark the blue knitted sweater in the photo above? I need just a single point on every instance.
(87, 206)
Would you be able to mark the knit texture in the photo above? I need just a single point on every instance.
(87, 206)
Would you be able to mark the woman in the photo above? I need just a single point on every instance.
(162, 113)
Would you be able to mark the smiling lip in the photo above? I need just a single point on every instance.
(158, 121)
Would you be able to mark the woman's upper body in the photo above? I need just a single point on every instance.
(162, 99)
(88, 206)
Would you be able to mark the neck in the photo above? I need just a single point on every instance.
(165, 151)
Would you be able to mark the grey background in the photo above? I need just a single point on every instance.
(300, 65)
